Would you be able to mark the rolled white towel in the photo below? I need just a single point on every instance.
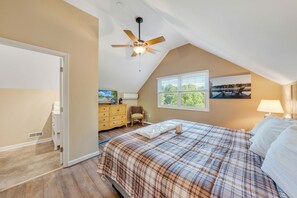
(164, 127)
(148, 132)
(155, 130)
(169, 125)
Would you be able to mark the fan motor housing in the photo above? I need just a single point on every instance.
(139, 20)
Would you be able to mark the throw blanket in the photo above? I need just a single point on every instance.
(155, 130)
(203, 161)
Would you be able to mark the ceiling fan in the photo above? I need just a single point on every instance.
(139, 46)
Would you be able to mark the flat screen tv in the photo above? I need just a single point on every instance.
(107, 97)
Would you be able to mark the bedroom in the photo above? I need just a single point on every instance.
(214, 41)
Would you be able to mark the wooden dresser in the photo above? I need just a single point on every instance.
(111, 116)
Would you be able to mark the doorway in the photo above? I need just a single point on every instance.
(34, 112)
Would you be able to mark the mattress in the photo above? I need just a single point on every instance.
(203, 161)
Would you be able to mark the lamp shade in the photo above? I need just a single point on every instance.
(270, 106)
(139, 49)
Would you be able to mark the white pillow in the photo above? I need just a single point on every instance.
(256, 128)
(267, 133)
(281, 161)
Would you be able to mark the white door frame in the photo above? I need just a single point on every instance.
(65, 88)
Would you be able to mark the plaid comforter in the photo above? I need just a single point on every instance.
(203, 161)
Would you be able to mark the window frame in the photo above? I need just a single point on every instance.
(179, 92)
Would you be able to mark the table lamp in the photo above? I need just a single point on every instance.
(270, 106)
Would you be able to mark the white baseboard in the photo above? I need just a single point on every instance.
(15, 146)
(83, 158)
(148, 122)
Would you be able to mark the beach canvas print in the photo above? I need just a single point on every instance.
(235, 87)
(107, 97)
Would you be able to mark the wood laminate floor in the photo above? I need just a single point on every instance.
(79, 181)
(25, 163)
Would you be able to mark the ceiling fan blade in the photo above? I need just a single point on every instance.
(121, 46)
(131, 35)
(155, 41)
(151, 50)
(134, 54)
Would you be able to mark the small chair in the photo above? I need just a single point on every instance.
(136, 113)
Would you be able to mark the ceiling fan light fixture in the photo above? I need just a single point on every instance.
(139, 46)
(139, 49)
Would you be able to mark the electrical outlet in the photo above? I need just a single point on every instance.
(148, 115)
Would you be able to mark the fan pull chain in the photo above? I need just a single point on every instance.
(139, 66)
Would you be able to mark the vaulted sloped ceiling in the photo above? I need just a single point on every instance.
(257, 35)
(117, 69)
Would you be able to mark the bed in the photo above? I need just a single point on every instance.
(203, 161)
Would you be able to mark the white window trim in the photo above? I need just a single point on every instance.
(206, 91)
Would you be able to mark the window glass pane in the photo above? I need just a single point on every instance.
(168, 99)
(194, 99)
(168, 85)
(193, 82)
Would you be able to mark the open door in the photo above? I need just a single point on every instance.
(61, 110)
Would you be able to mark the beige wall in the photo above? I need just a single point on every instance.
(56, 25)
(25, 111)
(233, 113)
(289, 100)
(129, 103)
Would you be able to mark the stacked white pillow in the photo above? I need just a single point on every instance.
(267, 133)
(275, 139)
(281, 161)
(259, 125)
(256, 128)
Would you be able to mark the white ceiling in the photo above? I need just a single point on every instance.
(257, 35)
(25, 69)
(117, 69)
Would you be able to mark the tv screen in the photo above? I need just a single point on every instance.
(107, 97)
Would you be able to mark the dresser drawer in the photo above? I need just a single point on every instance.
(117, 123)
(119, 117)
(103, 109)
(103, 126)
(113, 123)
(103, 115)
(117, 110)
(103, 119)
(122, 122)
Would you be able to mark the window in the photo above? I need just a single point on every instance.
(185, 91)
